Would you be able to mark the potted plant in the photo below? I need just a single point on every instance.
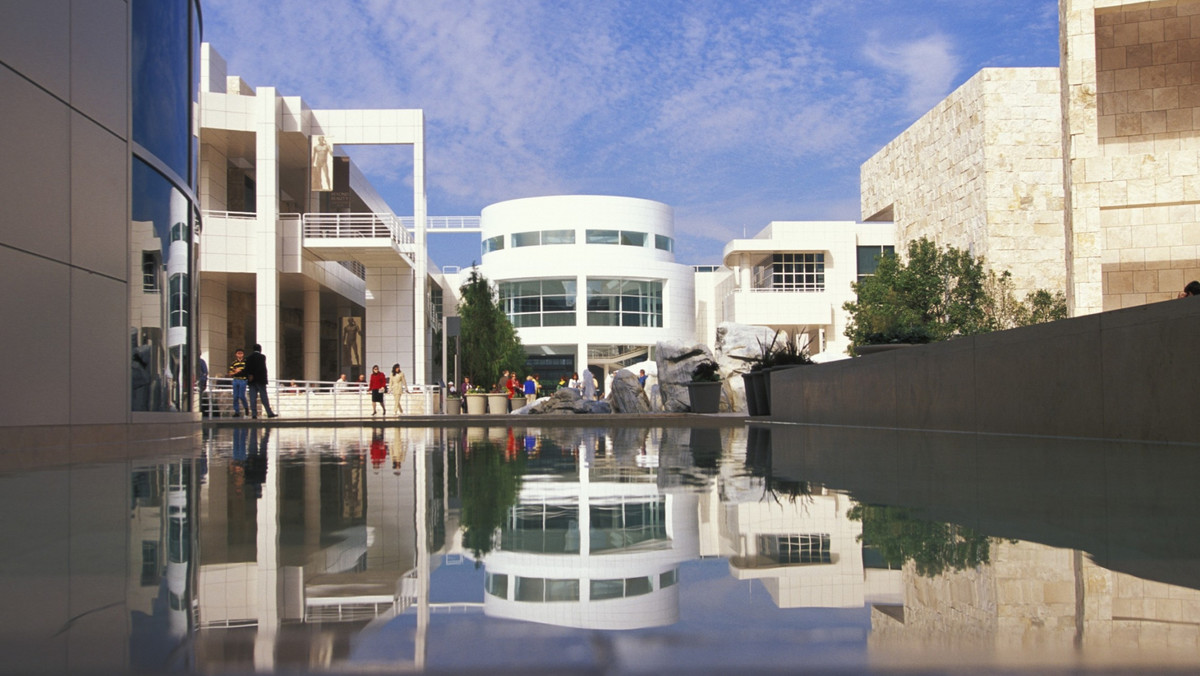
(476, 401)
(497, 403)
(782, 355)
(705, 388)
(453, 403)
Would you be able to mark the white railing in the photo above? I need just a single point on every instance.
(444, 223)
(357, 226)
(232, 215)
(321, 399)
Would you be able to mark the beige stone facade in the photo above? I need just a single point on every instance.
(1112, 215)
(982, 171)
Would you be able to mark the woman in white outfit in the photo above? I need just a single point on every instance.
(398, 385)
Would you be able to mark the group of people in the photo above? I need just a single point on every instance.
(380, 384)
(249, 373)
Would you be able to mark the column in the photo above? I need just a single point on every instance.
(267, 249)
(214, 324)
(416, 372)
(312, 331)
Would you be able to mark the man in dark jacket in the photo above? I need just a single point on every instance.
(256, 377)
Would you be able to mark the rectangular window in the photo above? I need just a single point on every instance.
(526, 239)
(493, 244)
(669, 578)
(624, 302)
(539, 590)
(795, 549)
(607, 589)
(603, 236)
(868, 258)
(150, 265)
(497, 585)
(558, 237)
(793, 272)
(664, 243)
(630, 238)
(539, 302)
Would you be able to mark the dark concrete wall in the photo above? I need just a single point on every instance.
(1127, 374)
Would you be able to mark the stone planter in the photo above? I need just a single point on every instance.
(476, 404)
(497, 403)
(705, 396)
(756, 398)
(453, 406)
(767, 405)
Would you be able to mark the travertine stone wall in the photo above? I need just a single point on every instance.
(982, 171)
(1146, 165)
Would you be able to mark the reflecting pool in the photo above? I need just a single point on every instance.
(719, 549)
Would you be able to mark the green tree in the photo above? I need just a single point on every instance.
(938, 293)
(490, 485)
(489, 341)
(933, 547)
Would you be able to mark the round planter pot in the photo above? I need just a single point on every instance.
(453, 406)
(497, 404)
(476, 404)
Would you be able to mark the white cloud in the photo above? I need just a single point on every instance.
(928, 67)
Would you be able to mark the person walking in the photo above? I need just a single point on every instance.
(377, 385)
(399, 385)
(237, 371)
(530, 390)
(256, 378)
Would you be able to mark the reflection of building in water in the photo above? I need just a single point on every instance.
(1036, 597)
(161, 538)
(797, 539)
(594, 543)
(302, 532)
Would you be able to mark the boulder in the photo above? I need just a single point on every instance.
(737, 347)
(567, 401)
(677, 360)
(626, 394)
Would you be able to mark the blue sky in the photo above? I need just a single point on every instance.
(735, 114)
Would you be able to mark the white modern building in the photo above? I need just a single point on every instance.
(795, 276)
(299, 253)
(589, 281)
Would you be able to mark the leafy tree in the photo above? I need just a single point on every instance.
(939, 293)
(933, 547)
(489, 341)
(491, 483)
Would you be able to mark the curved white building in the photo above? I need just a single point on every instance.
(587, 280)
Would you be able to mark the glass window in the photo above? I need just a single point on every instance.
(539, 590)
(603, 236)
(668, 578)
(526, 239)
(796, 549)
(624, 302)
(663, 242)
(630, 238)
(161, 333)
(607, 589)
(558, 237)
(162, 55)
(798, 271)
(868, 258)
(636, 586)
(496, 584)
(539, 302)
(623, 525)
(493, 244)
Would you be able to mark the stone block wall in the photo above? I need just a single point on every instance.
(982, 171)
(1147, 164)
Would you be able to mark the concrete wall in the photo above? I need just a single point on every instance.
(1125, 374)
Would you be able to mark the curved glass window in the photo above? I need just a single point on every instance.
(165, 37)
(543, 590)
(160, 331)
(603, 236)
(493, 244)
(624, 302)
(631, 238)
(619, 588)
(663, 242)
(496, 584)
(558, 237)
(539, 302)
(526, 239)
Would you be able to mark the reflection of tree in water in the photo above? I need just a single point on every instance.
(934, 547)
(490, 484)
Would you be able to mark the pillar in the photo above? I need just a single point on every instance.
(312, 332)
(267, 240)
(390, 322)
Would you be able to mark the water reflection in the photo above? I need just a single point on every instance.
(615, 549)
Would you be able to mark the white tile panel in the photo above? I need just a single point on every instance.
(99, 206)
(99, 61)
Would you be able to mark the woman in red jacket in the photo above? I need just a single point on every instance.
(378, 385)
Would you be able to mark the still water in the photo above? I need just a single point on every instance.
(725, 549)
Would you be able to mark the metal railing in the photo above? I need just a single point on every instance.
(357, 226)
(320, 399)
(444, 223)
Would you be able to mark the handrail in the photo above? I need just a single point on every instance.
(314, 398)
(356, 226)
